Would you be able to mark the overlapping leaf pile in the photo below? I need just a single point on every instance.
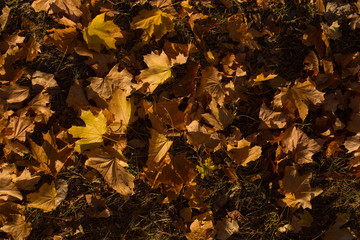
(190, 89)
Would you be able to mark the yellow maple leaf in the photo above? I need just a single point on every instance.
(101, 33)
(90, 135)
(159, 70)
(155, 23)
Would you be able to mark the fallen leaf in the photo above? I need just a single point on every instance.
(21, 127)
(298, 98)
(98, 61)
(68, 7)
(242, 153)
(8, 190)
(110, 164)
(123, 110)
(64, 39)
(202, 228)
(91, 134)
(299, 145)
(101, 33)
(155, 23)
(48, 197)
(211, 84)
(158, 71)
(335, 232)
(158, 147)
(219, 118)
(18, 227)
(271, 119)
(296, 188)
(225, 228)
(26, 180)
(97, 207)
(50, 157)
(4, 17)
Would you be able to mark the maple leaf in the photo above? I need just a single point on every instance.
(64, 39)
(8, 190)
(172, 175)
(158, 71)
(198, 135)
(48, 197)
(21, 127)
(97, 206)
(69, 7)
(123, 110)
(211, 84)
(26, 181)
(110, 164)
(91, 134)
(335, 232)
(297, 189)
(155, 23)
(219, 118)
(242, 153)
(301, 147)
(158, 147)
(298, 97)
(17, 227)
(98, 61)
(271, 119)
(51, 158)
(101, 33)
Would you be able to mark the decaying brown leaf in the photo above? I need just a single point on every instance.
(298, 98)
(111, 164)
(296, 188)
(299, 145)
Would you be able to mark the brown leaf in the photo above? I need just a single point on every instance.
(225, 228)
(17, 227)
(68, 7)
(170, 113)
(14, 93)
(111, 164)
(97, 207)
(198, 135)
(4, 17)
(296, 188)
(271, 119)
(335, 232)
(197, 196)
(202, 228)
(211, 84)
(21, 127)
(242, 153)
(158, 147)
(64, 39)
(240, 31)
(98, 61)
(298, 97)
(48, 197)
(219, 118)
(26, 180)
(175, 172)
(316, 37)
(50, 157)
(8, 190)
(44, 81)
(299, 145)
